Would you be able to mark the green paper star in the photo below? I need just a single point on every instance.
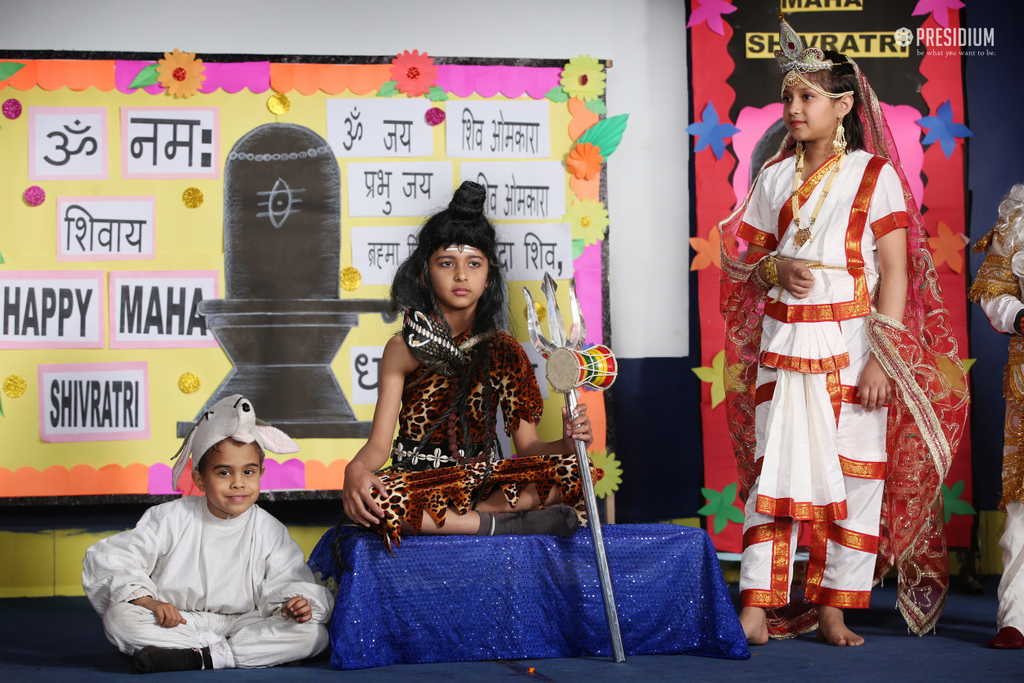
(952, 503)
(720, 509)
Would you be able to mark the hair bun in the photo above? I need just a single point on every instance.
(468, 202)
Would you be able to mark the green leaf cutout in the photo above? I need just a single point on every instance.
(606, 134)
(720, 509)
(437, 94)
(952, 503)
(577, 248)
(2, 257)
(389, 89)
(597, 106)
(144, 78)
(2, 408)
(556, 94)
(8, 69)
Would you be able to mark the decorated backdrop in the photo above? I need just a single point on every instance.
(176, 229)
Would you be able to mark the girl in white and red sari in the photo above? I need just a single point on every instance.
(846, 394)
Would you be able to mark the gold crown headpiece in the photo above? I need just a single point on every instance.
(794, 56)
(795, 61)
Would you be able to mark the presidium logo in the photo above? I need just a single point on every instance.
(958, 41)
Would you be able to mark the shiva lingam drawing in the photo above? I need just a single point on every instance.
(281, 321)
(569, 367)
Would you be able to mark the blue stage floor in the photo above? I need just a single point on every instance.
(60, 639)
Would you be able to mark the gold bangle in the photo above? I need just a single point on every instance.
(771, 271)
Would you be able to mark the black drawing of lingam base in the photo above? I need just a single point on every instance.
(281, 321)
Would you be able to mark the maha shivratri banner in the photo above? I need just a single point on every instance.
(177, 229)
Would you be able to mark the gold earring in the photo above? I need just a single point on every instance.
(839, 143)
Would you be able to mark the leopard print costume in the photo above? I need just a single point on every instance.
(433, 479)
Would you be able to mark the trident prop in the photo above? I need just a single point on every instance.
(567, 368)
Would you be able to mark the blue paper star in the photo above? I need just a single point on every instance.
(710, 132)
(942, 128)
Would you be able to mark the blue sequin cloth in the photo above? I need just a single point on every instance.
(463, 598)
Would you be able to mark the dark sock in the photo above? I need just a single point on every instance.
(152, 659)
(486, 524)
(557, 519)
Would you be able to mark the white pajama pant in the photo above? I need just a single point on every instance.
(842, 551)
(1011, 586)
(235, 640)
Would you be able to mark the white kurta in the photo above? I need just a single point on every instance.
(822, 456)
(228, 577)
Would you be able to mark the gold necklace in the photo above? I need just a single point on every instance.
(803, 235)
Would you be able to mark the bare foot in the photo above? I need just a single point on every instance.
(832, 628)
(755, 625)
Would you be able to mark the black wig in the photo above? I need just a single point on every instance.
(463, 222)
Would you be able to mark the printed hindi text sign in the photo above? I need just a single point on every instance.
(376, 252)
(105, 228)
(527, 251)
(365, 365)
(379, 128)
(67, 143)
(403, 188)
(94, 401)
(160, 309)
(498, 130)
(158, 142)
(519, 189)
(52, 309)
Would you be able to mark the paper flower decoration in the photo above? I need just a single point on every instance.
(588, 219)
(582, 118)
(583, 78)
(609, 472)
(715, 376)
(710, 11)
(939, 9)
(709, 251)
(952, 503)
(413, 73)
(585, 161)
(720, 509)
(710, 132)
(181, 73)
(948, 247)
(942, 128)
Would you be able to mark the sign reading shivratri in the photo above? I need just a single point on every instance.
(174, 241)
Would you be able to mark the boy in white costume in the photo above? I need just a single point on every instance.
(214, 581)
(813, 337)
(997, 289)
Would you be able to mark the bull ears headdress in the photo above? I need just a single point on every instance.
(229, 418)
(795, 61)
